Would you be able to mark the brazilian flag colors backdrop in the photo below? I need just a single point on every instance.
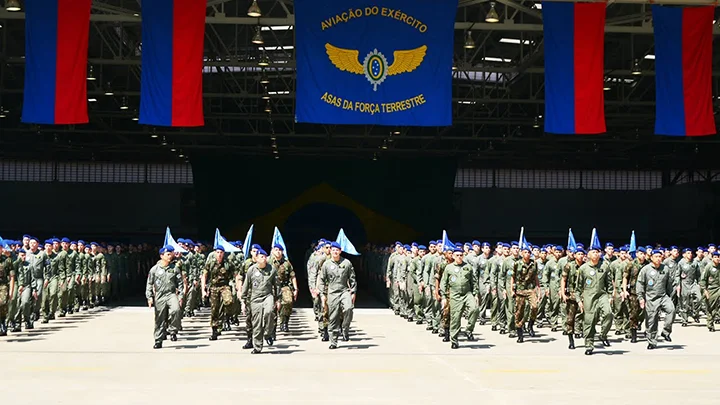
(385, 62)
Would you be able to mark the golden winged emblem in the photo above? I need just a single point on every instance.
(375, 66)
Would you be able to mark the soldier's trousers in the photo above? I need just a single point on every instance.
(27, 304)
(553, 308)
(4, 301)
(286, 304)
(49, 301)
(104, 286)
(263, 320)
(14, 304)
(62, 292)
(597, 310)
(339, 305)
(571, 310)
(319, 311)
(192, 296)
(418, 303)
(219, 297)
(394, 296)
(690, 299)
(620, 314)
(485, 299)
(510, 312)
(652, 317)
(635, 313)
(458, 306)
(70, 295)
(713, 307)
(501, 311)
(542, 303)
(430, 306)
(167, 316)
(405, 301)
(521, 298)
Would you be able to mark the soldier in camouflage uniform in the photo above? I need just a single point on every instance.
(217, 275)
(524, 285)
(620, 307)
(444, 310)
(506, 275)
(14, 295)
(635, 313)
(164, 289)
(100, 265)
(26, 290)
(287, 284)
(7, 285)
(567, 293)
(261, 290)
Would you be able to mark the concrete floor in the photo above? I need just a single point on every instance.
(106, 357)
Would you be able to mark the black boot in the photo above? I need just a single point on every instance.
(446, 336)
(520, 335)
(29, 325)
(248, 344)
(158, 345)
(215, 333)
(3, 328)
(571, 339)
(326, 335)
(15, 327)
(531, 331)
(633, 335)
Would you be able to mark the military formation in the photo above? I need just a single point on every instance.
(262, 287)
(517, 288)
(39, 282)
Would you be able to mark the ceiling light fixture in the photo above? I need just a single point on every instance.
(124, 105)
(492, 15)
(264, 61)
(254, 10)
(12, 5)
(469, 42)
(257, 38)
(636, 68)
(264, 79)
(91, 75)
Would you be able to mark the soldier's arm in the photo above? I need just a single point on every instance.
(474, 282)
(493, 275)
(388, 272)
(625, 277)
(321, 280)
(640, 285)
(443, 284)
(245, 294)
(149, 286)
(352, 283)
(12, 278)
(580, 284)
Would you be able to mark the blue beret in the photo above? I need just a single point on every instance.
(506, 245)
(414, 244)
(262, 251)
(558, 247)
(526, 247)
(48, 241)
(514, 243)
(318, 247)
(27, 236)
(623, 249)
(94, 244)
(711, 245)
(21, 250)
(327, 243)
(579, 250)
(219, 247)
(476, 242)
(35, 239)
(81, 242)
(55, 240)
(181, 240)
(467, 244)
(485, 244)
(457, 250)
(65, 240)
(673, 247)
(648, 247)
(278, 246)
(498, 244)
(407, 247)
(609, 245)
(701, 249)
(431, 243)
(581, 246)
(687, 250)
(716, 253)
(323, 240)
(536, 247)
(335, 245)
(166, 249)
(422, 247)
(397, 243)
(256, 246)
(240, 243)
(459, 245)
(657, 252)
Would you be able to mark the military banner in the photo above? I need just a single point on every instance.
(386, 62)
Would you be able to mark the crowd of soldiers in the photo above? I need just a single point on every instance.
(262, 287)
(62, 276)
(568, 289)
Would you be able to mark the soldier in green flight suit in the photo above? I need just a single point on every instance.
(100, 266)
(14, 295)
(427, 283)
(710, 285)
(70, 249)
(313, 267)
(261, 290)
(459, 287)
(62, 276)
(594, 287)
(494, 268)
(482, 271)
(31, 298)
(7, 284)
(111, 272)
(654, 288)
(287, 283)
(416, 267)
(242, 273)
(689, 289)
(635, 313)
(164, 289)
(216, 283)
(524, 286)
(53, 268)
(507, 272)
(553, 275)
(391, 282)
(338, 286)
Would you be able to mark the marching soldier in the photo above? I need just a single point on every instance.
(338, 276)
(524, 285)
(689, 290)
(594, 288)
(568, 294)
(710, 284)
(216, 275)
(630, 276)
(260, 289)
(654, 287)
(7, 285)
(163, 290)
(459, 287)
(287, 284)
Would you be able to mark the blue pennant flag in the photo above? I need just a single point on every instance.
(524, 244)
(345, 244)
(633, 245)
(248, 241)
(595, 241)
(571, 245)
(4, 243)
(220, 241)
(387, 63)
(447, 243)
(169, 240)
(278, 240)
